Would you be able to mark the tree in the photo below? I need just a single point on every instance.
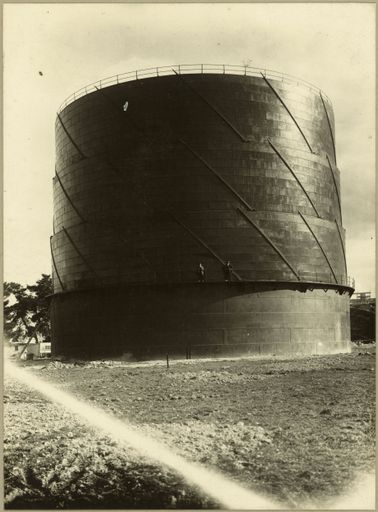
(26, 310)
(41, 292)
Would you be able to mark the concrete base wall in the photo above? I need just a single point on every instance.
(199, 319)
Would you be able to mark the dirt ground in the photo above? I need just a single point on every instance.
(298, 430)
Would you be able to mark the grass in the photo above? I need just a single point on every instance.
(296, 429)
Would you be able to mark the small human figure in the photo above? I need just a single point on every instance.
(201, 273)
(227, 271)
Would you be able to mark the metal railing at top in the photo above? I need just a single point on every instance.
(183, 69)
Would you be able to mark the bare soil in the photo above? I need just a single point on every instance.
(298, 430)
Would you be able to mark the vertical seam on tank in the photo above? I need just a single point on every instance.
(288, 111)
(254, 224)
(320, 246)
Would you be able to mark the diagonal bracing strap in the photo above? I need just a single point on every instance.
(55, 268)
(204, 244)
(221, 178)
(85, 261)
(294, 175)
(335, 184)
(68, 197)
(287, 110)
(69, 136)
(274, 247)
(224, 118)
(342, 245)
(330, 128)
(320, 246)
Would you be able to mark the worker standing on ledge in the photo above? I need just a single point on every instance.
(227, 271)
(201, 273)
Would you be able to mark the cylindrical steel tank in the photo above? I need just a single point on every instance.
(156, 174)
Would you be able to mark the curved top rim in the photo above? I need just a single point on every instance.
(187, 69)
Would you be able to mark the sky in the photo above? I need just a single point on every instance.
(72, 45)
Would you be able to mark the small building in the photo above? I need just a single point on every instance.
(33, 350)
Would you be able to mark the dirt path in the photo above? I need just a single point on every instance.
(296, 429)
